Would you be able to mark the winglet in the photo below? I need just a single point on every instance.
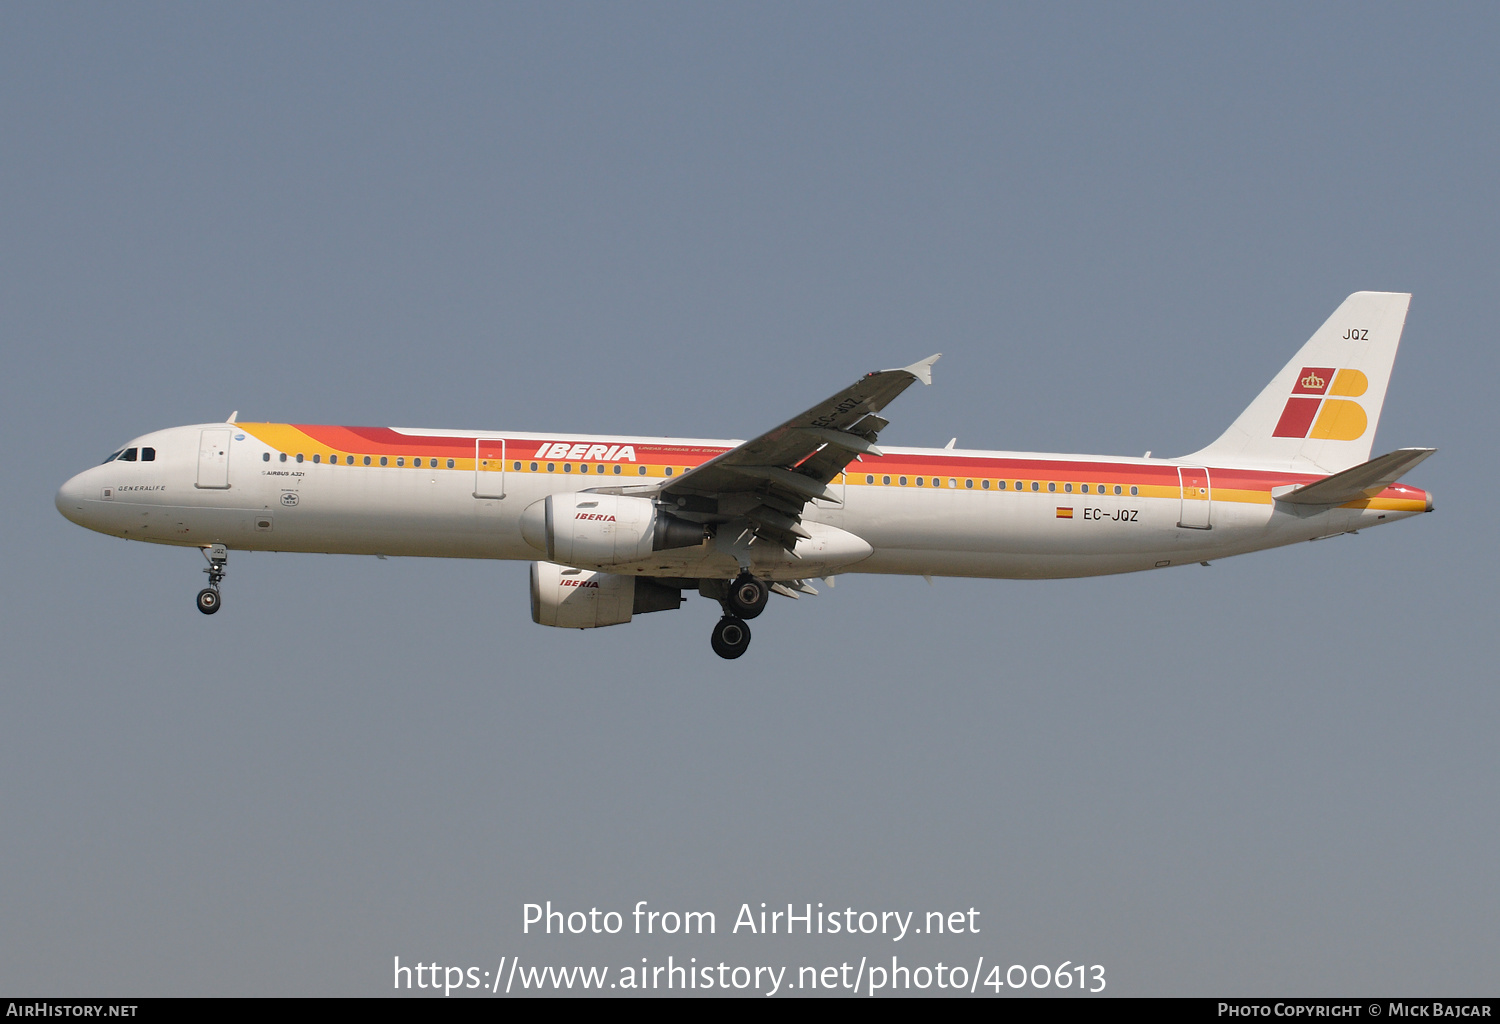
(923, 370)
(232, 416)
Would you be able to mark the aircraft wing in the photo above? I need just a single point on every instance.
(770, 479)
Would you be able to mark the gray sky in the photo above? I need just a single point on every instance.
(1273, 776)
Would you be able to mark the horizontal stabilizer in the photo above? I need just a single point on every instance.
(1363, 481)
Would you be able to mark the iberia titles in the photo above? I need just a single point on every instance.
(585, 452)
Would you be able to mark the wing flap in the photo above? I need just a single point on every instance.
(781, 470)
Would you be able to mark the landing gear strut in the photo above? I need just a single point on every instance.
(731, 637)
(208, 597)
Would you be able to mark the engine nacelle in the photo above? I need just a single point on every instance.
(580, 599)
(603, 529)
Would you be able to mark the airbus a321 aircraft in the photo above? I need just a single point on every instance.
(627, 524)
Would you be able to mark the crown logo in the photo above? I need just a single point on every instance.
(1312, 380)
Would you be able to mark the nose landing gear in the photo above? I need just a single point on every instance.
(208, 597)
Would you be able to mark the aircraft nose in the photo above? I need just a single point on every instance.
(70, 499)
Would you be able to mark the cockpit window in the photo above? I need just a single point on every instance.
(131, 455)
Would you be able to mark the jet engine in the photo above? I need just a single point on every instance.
(580, 599)
(603, 529)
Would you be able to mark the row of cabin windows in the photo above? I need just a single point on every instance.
(132, 455)
(333, 460)
(567, 467)
(149, 454)
(1001, 485)
(416, 463)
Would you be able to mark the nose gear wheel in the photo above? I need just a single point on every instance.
(208, 598)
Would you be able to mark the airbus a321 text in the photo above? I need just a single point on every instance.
(618, 526)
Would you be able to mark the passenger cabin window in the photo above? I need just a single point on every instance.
(1133, 490)
(450, 463)
(299, 456)
(367, 460)
(265, 456)
(985, 484)
(317, 457)
(382, 460)
(283, 456)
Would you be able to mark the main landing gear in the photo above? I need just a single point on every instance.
(731, 637)
(746, 598)
(208, 597)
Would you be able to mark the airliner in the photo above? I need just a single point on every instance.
(617, 526)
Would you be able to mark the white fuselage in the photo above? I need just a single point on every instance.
(461, 494)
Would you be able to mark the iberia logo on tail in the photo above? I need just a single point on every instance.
(1314, 411)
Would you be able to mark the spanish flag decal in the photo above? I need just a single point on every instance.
(1065, 513)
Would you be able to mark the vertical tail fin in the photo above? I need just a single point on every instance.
(1319, 413)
